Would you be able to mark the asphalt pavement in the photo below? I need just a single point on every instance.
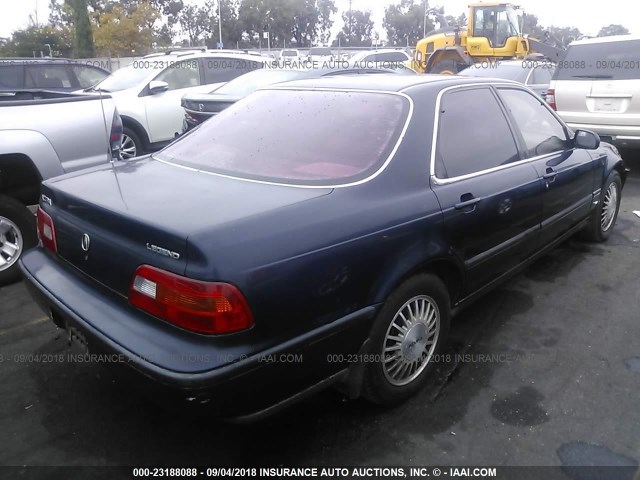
(543, 371)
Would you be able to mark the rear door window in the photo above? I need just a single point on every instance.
(541, 131)
(606, 61)
(473, 134)
(225, 69)
(88, 76)
(48, 76)
(541, 76)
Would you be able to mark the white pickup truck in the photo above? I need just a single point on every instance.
(42, 135)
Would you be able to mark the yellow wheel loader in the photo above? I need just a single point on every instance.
(493, 32)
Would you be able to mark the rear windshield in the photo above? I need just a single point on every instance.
(297, 137)
(607, 61)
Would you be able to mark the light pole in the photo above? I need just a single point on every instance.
(220, 24)
(424, 32)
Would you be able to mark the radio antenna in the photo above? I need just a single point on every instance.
(106, 129)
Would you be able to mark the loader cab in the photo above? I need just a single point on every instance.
(491, 27)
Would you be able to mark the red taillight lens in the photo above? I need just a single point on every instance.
(46, 231)
(551, 98)
(204, 307)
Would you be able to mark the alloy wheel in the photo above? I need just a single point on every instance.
(128, 148)
(609, 207)
(11, 243)
(411, 340)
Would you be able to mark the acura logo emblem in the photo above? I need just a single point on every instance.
(86, 242)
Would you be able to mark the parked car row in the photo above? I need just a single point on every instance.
(200, 107)
(339, 217)
(316, 232)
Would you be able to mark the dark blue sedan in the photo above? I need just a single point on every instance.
(317, 232)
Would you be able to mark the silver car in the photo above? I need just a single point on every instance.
(597, 87)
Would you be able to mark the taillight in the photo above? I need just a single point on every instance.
(551, 98)
(204, 307)
(115, 137)
(46, 231)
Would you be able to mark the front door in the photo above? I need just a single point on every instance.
(491, 200)
(567, 174)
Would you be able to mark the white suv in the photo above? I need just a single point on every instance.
(149, 91)
(596, 86)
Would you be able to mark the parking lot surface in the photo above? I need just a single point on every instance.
(543, 371)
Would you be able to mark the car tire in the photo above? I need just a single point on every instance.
(446, 67)
(402, 351)
(17, 234)
(132, 146)
(605, 215)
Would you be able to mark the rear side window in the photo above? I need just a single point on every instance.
(541, 131)
(297, 137)
(10, 76)
(219, 70)
(473, 134)
(88, 76)
(184, 74)
(541, 75)
(607, 61)
(48, 76)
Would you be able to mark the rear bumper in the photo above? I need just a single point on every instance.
(248, 382)
(622, 135)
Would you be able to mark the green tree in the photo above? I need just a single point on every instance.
(357, 29)
(404, 22)
(563, 36)
(83, 45)
(231, 28)
(532, 28)
(33, 40)
(195, 22)
(325, 9)
(123, 33)
(613, 29)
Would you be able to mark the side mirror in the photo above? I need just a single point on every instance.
(156, 87)
(586, 139)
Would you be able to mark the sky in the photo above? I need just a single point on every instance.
(587, 16)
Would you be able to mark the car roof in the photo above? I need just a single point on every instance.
(43, 60)
(613, 38)
(385, 83)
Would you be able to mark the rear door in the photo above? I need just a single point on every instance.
(491, 200)
(539, 79)
(599, 84)
(567, 174)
